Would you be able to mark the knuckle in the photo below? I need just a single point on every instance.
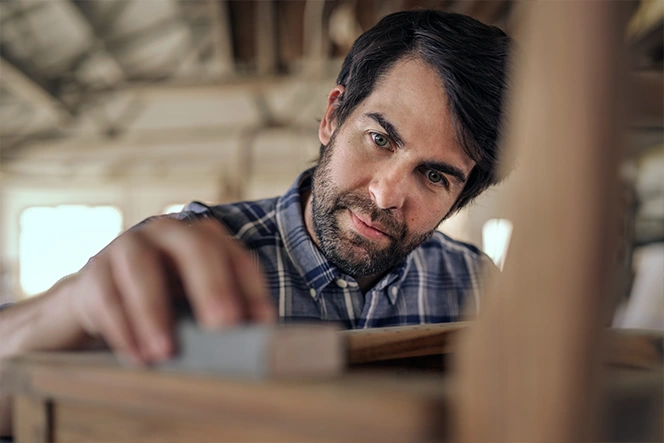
(102, 297)
(201, 243)
(132, 249)
(164, 222)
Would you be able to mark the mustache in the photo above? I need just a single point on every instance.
(386, 218)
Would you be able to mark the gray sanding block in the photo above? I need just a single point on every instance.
(257, 351)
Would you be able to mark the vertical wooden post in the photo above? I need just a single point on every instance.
(529, 369)
(32, 419)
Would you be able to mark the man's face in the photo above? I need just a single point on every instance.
(389, 174)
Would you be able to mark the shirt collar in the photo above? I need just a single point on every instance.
(309, 260)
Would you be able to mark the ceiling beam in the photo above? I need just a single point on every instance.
(266, 47)
(77, 10)
(26, 82)
(316, 41)
(221, 38)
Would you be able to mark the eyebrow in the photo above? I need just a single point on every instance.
(442, 167)
(448, 169)
(389, 127)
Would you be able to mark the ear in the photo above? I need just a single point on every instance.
(327, 123)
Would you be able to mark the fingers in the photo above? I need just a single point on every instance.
(139, 274)
(104, 314)
(246, 271)
(205, 272)
(223, 285)
(129, 288)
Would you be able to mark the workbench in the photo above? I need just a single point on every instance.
(83, 396)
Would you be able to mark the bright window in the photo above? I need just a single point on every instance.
(496, 234)
(58, 241)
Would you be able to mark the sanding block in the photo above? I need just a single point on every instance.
(257, 351)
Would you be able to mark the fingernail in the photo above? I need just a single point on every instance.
(160, 346)
(220, 314)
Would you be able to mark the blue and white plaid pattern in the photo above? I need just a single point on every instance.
(430, 286)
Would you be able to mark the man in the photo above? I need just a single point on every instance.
(409, 136)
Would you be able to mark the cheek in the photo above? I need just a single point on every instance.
(349, 167)
(426, 216)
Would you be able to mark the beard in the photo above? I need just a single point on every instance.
(351, 252)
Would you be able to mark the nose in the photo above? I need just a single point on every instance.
(389, 188)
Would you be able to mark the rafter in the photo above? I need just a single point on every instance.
(78, 9)
(221, 37)
(315, 39)
(25, 81)
(266, 48)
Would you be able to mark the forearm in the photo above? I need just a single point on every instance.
(37, 324)
(15, 329)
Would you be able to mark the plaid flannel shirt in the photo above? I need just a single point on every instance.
(430, 286)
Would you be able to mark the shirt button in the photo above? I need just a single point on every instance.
(342, 283)
(395, 290)
(312, 292)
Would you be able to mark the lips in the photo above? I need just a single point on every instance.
(368, 228)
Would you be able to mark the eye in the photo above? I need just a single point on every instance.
(380, 140)
(435, 177)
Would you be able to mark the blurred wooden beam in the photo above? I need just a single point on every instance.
(486, 11)
(530, 367)
(221, 37)
(647, 99)
(266, 37)
(23, 80)
(242, 18)
(315, 39)
(78, 11)
(290, 19)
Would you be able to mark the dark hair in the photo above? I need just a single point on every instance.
(471, 59)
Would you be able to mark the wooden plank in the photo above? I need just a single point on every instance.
(95, 399)
(636, 349)
(32, 419)
(401, 342)
(83, 422)
(340, 409)
(530, 368)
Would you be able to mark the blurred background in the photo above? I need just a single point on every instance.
(115, 110)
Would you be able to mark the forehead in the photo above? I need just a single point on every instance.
(411, 96)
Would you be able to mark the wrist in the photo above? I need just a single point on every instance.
(43, 323)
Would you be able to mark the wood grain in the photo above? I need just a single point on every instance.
(95, 399)
(530, 369)
(368, 345)
(350, 408)
(33, 418)
(636, 349)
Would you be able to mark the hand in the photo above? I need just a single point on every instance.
(124, 294)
